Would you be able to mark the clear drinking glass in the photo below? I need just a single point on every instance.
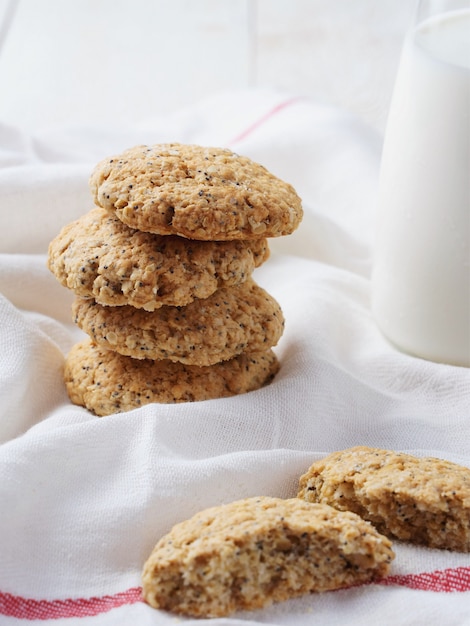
(421, 273)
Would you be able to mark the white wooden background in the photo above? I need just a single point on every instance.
(118, 61)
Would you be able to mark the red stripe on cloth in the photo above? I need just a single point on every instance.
(452, 579)
(259, 122)
(448, 580)
(28, 608)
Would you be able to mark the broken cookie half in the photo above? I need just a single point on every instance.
(249, 553)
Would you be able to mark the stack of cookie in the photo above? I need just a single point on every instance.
(162, 271)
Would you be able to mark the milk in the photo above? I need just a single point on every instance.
(421, 277)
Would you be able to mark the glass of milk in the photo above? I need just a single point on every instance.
(421, 273)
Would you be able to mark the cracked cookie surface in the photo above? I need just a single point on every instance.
(106, 382)
(420, 500)
(249, 553)
(195, 192)
(242, 318)
(99, 257)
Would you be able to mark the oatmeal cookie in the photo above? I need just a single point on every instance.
(98, 256)
(420, 500)
(106, 382)
(195, 192)
(243, 318)
(247, 554)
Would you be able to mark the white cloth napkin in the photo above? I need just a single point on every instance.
(83, 499)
